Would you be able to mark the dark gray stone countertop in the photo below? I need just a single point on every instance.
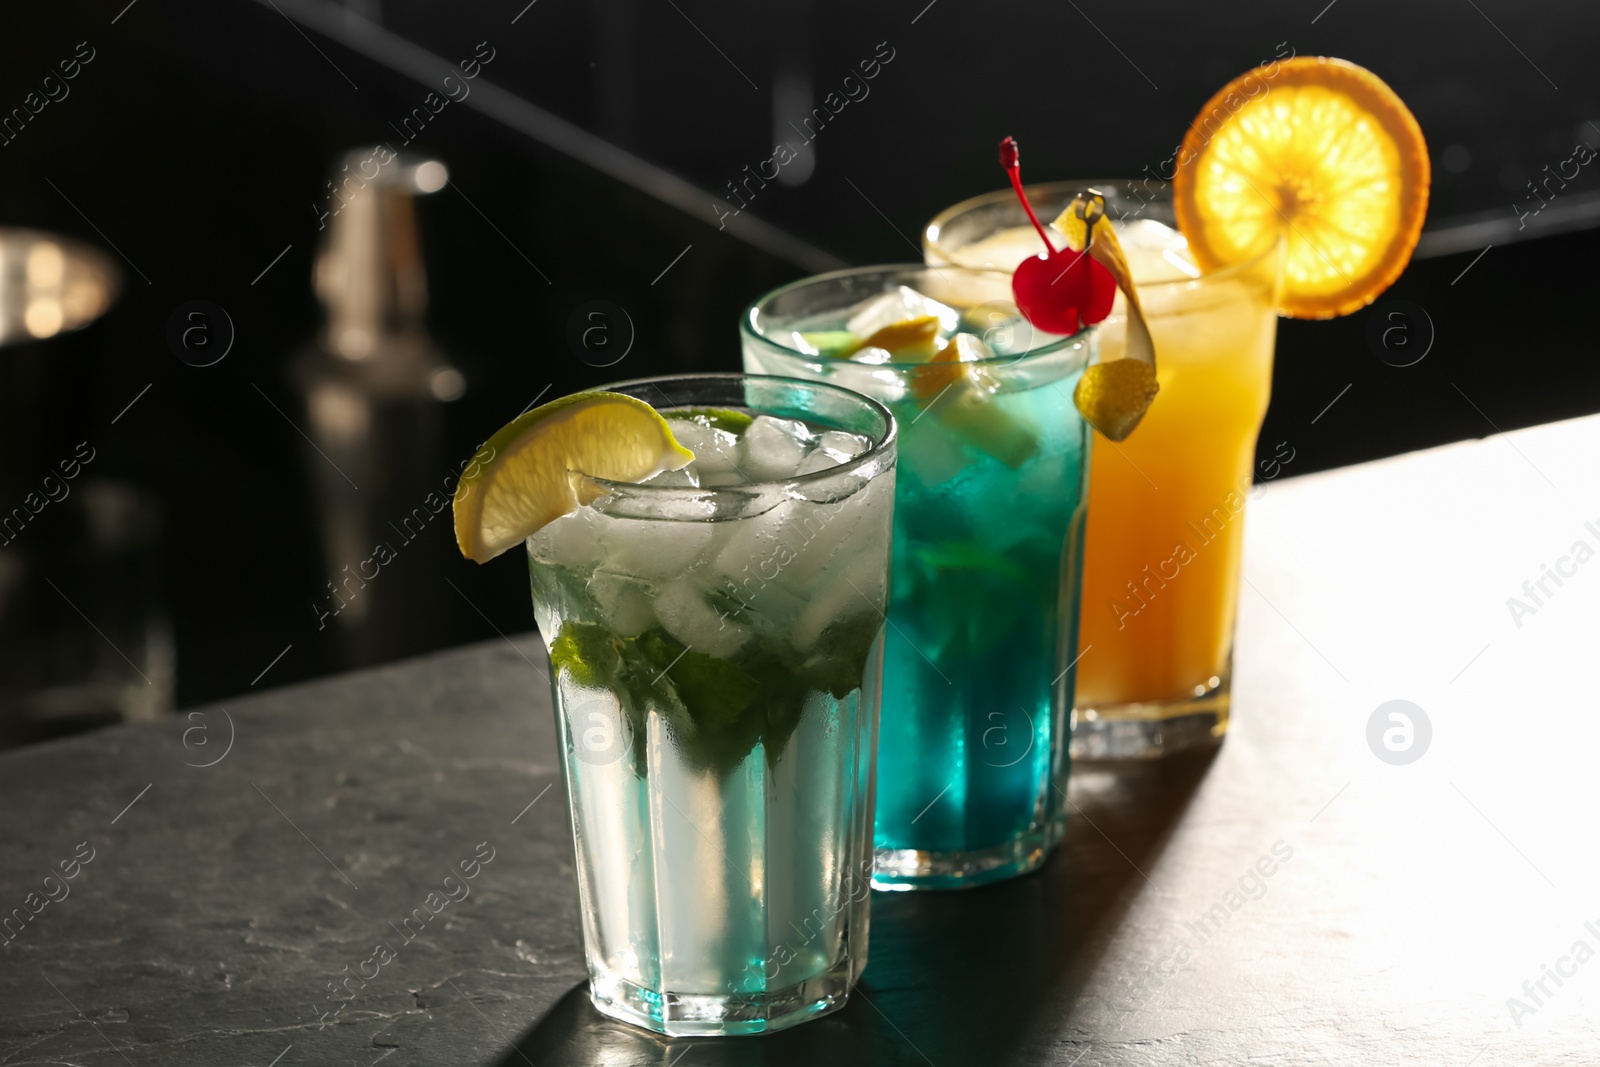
(1410, 909)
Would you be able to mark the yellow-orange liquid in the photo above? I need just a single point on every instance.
(1166, 506)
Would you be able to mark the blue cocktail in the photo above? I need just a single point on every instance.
(987, 558)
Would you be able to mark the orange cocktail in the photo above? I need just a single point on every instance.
(1166, 506)
(1300, 187)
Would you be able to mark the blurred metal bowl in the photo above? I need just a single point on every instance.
(51, 284)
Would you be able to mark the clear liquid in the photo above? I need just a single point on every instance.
(721, 792)
(704, 884)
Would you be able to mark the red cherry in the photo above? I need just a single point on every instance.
(1061, 292)
(1058, 291)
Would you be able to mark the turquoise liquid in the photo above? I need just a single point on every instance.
(983, 609)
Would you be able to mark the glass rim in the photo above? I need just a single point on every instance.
(880, 446)
(747, 328)
(1231, 271)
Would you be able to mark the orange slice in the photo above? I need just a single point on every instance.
(1323, 155)
(910, 341)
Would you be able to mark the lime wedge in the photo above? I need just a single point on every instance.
(832, 344)
(525, 478)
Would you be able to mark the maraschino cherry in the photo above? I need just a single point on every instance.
(1061, 291)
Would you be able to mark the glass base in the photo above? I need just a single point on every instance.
(900, 869)
(714, 1015)
(1150, 730)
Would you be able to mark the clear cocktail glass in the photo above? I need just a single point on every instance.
(988, 535)
(716, 656)
(1166, 506)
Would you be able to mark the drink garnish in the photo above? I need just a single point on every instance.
(1112, 395)
(535, 469)
(1329, 160)
(948, 380)
(913, 340)
(830, 344)
(717, 709)
(1058, 291)
(1063, 291)
(734, 422)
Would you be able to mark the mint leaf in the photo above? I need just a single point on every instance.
(839, 659)
(781, 696)
(593, 656)
(717, 709)
(588, 653)
(713, 721)
(970, 558)
(714, 691)
(562, 591)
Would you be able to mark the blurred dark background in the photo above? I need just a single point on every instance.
(195, 148)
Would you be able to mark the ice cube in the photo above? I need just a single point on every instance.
(834, 447)
(1001, 250)
(822, 458)
(770, 561)
(901, 304)
(657, 549)
(722, 479)
(821, 535)
(770, 449)
(976, 417)
(751, 580)
(968, 289)
(1156, 252)
(872, 354)
(623, 601)
(570, 541)
(1003, 331)
(929, 455)
(859, 589)
(687, 615)
(812, 542)
(970, 347)
(708, 443)
(850, 444)
(986, 316)
(720, 468)
(683, 478)
(716, 452)
(1150, 235)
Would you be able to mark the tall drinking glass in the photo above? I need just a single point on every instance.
(1166, 506)
(716, 658)
(988, 537)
